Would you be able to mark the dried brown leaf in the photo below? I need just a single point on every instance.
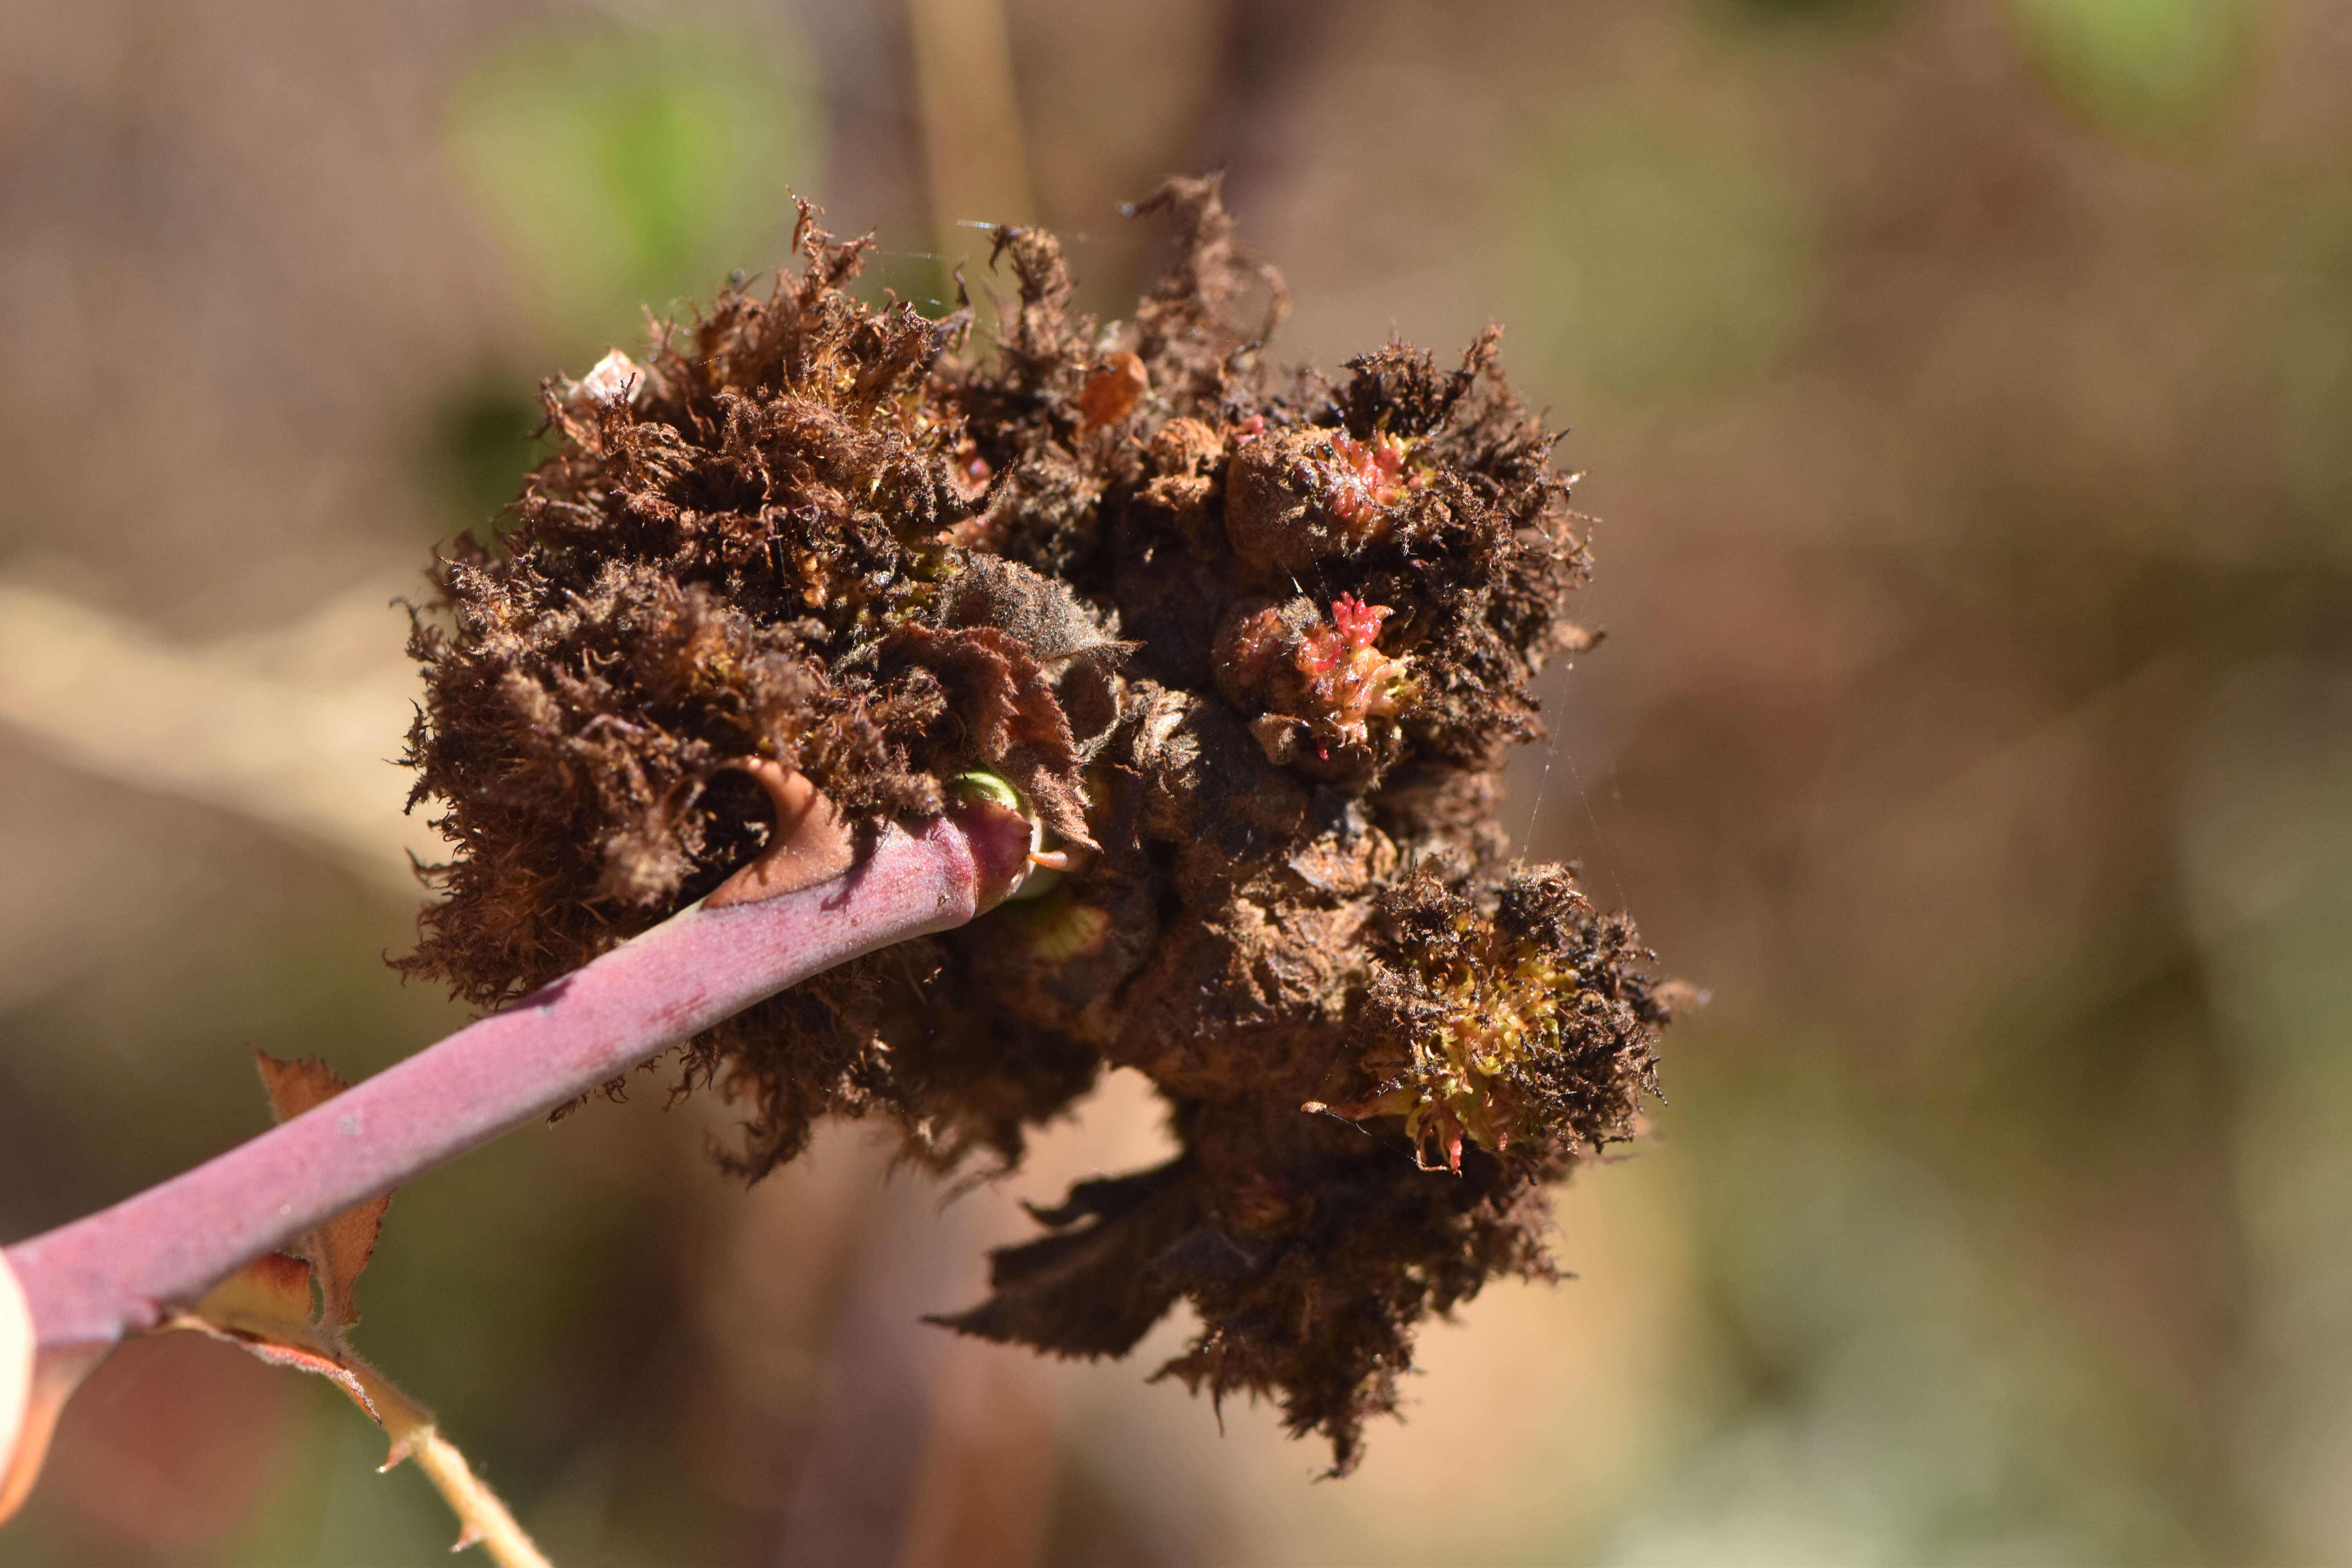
(340, 1250)
(264, 1307)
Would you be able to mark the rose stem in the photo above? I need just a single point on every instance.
(120, 1270)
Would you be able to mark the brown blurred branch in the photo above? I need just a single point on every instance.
(973, 143)
(286, 727)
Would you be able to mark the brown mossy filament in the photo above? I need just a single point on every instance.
(1253, 648)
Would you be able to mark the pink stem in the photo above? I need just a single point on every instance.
(122, 1269)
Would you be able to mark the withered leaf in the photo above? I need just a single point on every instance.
(266, 1308)
(1042, 613)
(1096, 1289)
(338, 1250)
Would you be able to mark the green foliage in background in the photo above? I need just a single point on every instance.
(2312, 332)
(485, 437)
(1660, 259)
(2139, 66)
(624, 169)
(627, 168)
(1815, 11)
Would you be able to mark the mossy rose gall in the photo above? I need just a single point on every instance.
(1252, 647)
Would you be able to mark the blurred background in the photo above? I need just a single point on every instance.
(1965, 388)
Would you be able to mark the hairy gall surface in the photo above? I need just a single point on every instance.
(1253, 648)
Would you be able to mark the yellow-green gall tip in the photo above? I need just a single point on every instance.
(1521, 1028)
